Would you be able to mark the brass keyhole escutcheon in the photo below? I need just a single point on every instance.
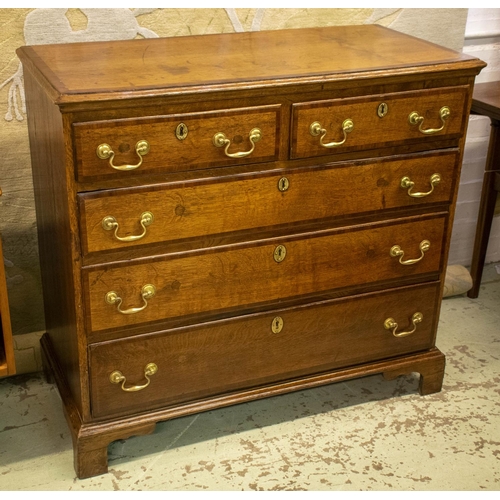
(181, 131)
(277, 324)
(279, 253)
(382, 110)
(283, 184)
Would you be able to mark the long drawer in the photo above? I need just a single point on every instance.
(180, 142)
(186, 364)
(122, 218)
(225, 278)
(369, 122)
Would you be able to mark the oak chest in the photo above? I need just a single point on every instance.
(228, 217)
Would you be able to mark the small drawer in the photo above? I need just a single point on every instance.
(370, 122)
(203, 361)
(175, 143)
(171, 212)
(242, 276)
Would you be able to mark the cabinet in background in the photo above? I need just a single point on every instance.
(7, 362)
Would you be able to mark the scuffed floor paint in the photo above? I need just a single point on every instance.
(366, 434)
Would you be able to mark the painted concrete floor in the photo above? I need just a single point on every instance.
(366, 434)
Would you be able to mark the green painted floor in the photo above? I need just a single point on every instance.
(366, 434)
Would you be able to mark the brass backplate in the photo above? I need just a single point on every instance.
(382, 110)
(283, 184)
(181, 131)
(277, 324)
(279, 253)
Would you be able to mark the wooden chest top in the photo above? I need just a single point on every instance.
(231, 61)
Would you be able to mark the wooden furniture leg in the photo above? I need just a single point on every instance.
(486, 209)
(90, 445)
(90, 441)
(431, 368)
(486, 102)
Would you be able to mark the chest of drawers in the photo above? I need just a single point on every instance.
(229, 217)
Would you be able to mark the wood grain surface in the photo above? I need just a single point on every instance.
(219, 220)
(252, 201)
(240, 276)
(220, 357)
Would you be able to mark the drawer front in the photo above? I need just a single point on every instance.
(220, 357)
(176, 142)
(340, 125)
(166, 213)
(235, 277)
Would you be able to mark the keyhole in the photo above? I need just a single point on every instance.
(382, 109)
(277, 324)
(283, 184)
(279, 253)
(181, 131)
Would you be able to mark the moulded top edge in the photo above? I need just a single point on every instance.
(231, 60)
